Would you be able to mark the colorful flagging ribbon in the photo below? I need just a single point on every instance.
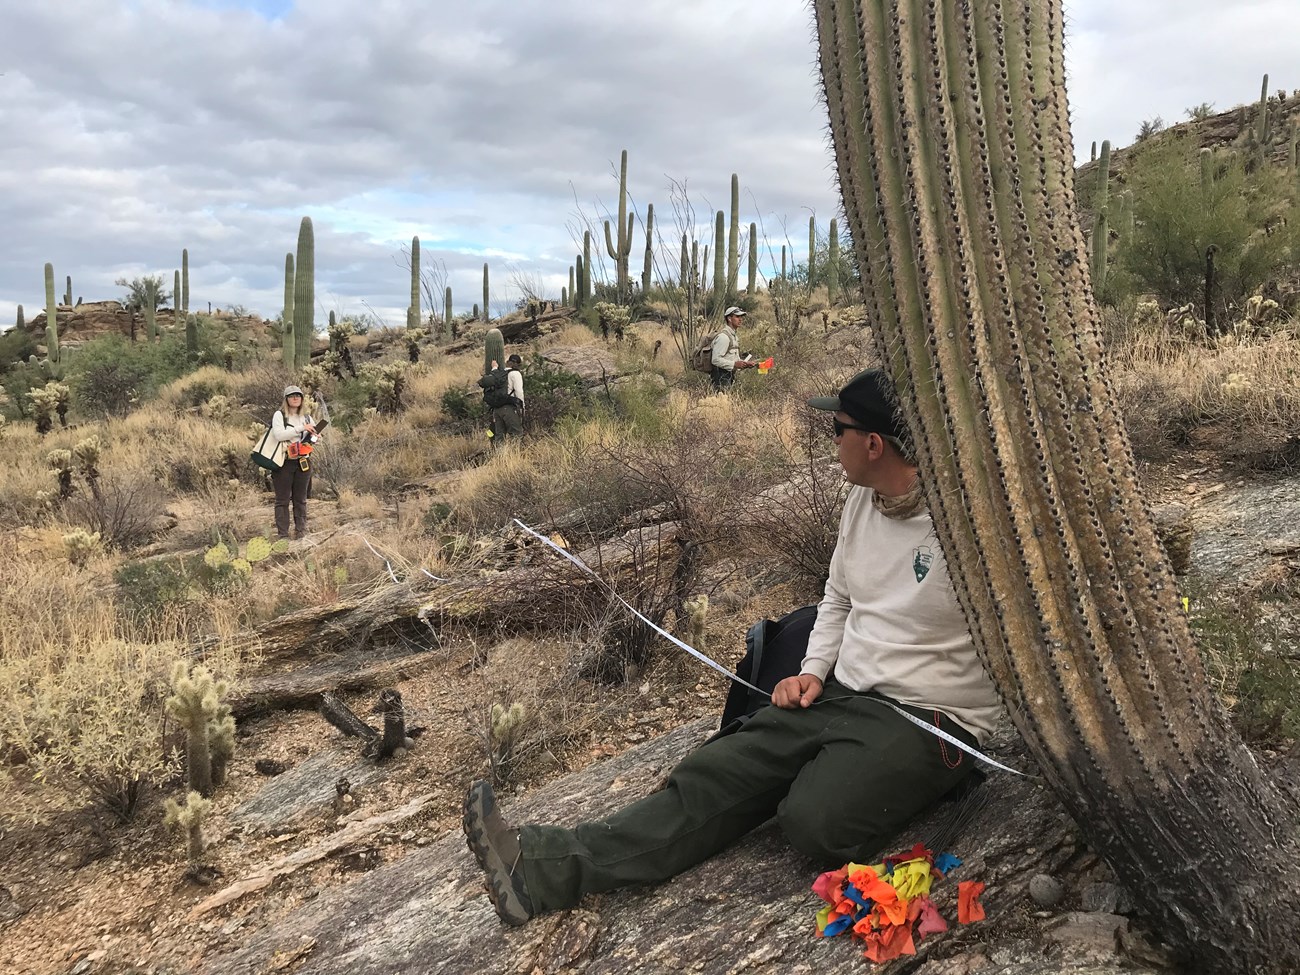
(888, 906)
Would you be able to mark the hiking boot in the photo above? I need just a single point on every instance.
(496, 848)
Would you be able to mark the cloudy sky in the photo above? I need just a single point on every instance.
(490, 128)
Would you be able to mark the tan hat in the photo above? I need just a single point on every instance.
(733, 310)
(292, 391)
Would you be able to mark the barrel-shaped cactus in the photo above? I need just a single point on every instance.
(954, 156)
(494, 349)
(286, 316)
(304, 294)
(51, 317)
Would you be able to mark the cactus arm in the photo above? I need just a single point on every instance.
(955, 160)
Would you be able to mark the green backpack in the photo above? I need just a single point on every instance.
(496, 388)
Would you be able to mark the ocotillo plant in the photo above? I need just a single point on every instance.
(649, 247)
(51, 317)
(953, 148)
(286, 316)
(413, 309)
(487, 315)
(184, 297)
(751, 286)
(304, 294)
(733, 239)
(619, 252)
(833, 263)
(494, 349)
(719, 263)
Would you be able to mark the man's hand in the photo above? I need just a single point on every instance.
(745, 364)
(797, 692)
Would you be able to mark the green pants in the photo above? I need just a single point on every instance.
(841, 777)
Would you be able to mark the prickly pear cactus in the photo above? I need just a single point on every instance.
(954, 156)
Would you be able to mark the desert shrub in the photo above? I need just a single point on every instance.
(149, 590)
(15, 347)
(1243, 651)
(552, 393)
(1176, 220)
(109, 375)
(121, 511)
(199, 389)
(260, 388)
(19, 381)
(464, 407)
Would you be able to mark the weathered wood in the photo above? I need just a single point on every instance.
(345, 719)
(351, 833)
(540, 591)
(748, 910)
(305, 793)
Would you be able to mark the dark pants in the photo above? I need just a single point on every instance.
(841, 777)
(506, 422)
(292, 485)
(722, 379)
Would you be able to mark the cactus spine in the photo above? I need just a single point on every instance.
(494, 349)
(649, 247)
(833, 263)
(413, 309)
(733, 239)
(751, 287)
(619, 252)
(184, 299)
(51, 317)
(487, 315)
(953, 149)
(304, 294)
(286, 316)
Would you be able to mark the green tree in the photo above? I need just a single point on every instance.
(1177, 216)
(144, 295)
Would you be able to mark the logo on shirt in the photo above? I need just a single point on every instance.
(921, 559)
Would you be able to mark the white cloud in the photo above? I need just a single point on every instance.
(134, 129)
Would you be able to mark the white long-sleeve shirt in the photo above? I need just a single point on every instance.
(285, 429)
(889, 620)
(515, 385)
(726, 349)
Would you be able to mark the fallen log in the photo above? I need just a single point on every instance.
(748, 909)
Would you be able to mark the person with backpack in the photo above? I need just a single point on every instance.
(503, 395)
(293, 428)
(725, 357)
(838, 759)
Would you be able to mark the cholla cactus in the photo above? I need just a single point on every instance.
(413, 337)
(228, 354)
(60, 462)
(218, 407)
(188, 819)
(44, 402)
(311, 379)
(504, 731)
(86, 453)
(232, 459)
(697, 615)
(613, 318)
(81, 546)
(387, 383)
(195, 703)
(1237, 384)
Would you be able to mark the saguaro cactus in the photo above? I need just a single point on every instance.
(572, 292)
(585, 286)
(833, 263)
(286, 316)
(413, 309)
(580, 278)
(733, 239)
(67, 294)
(812, 249)
(184, 297)
(1261, 128)
(954, 155)
(51, 317)
(684, 270)
(719, 263)
(446, 308)
(176, 297)
(487, 315)
(649, 247)
(1101, 221)
(620, 251)
(751, 286)
(494, 349)
(19, 324)
(304, 294)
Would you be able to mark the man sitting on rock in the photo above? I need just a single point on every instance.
(838, 766)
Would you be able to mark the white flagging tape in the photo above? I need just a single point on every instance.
(389, 566)
(707, 661)
(939, 732)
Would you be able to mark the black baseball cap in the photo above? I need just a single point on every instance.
(514, 358)
(867, 400)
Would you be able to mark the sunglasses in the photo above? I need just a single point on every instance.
(840, 427)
